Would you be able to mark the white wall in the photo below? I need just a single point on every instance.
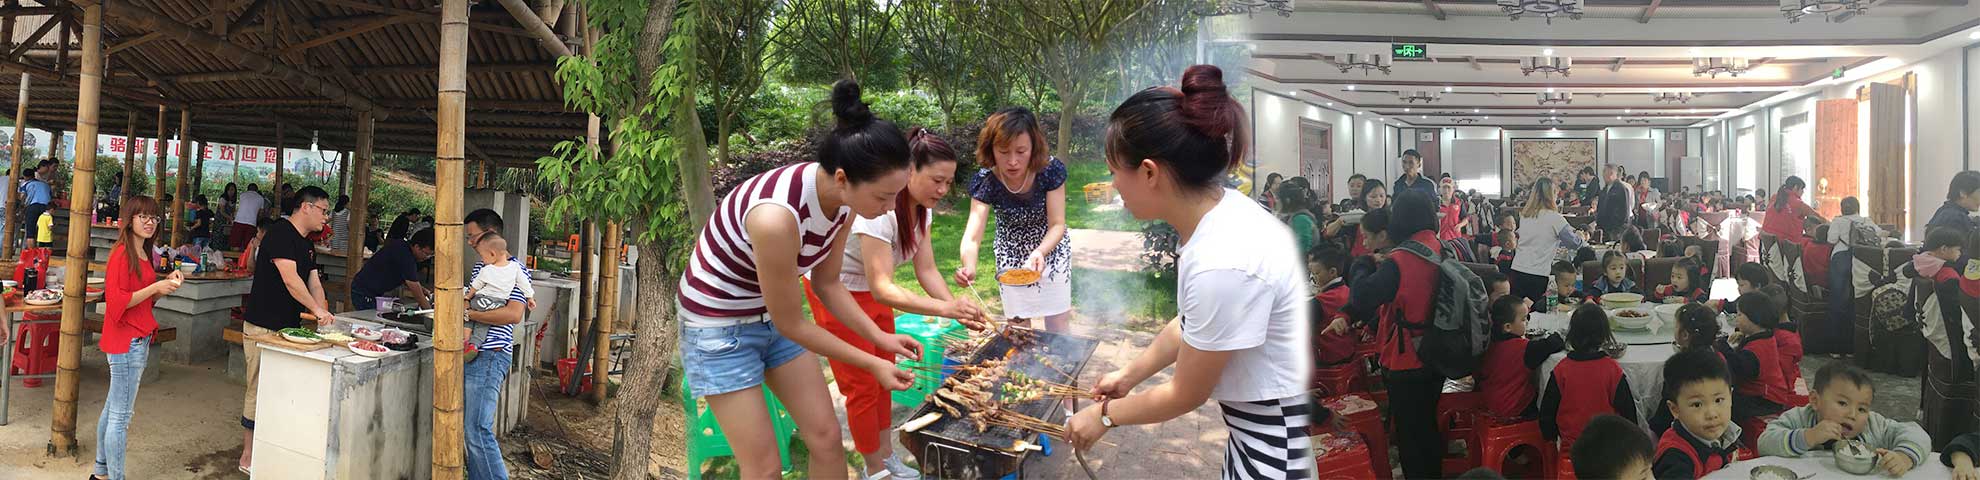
(1275, 129)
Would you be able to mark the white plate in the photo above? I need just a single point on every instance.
(367, 353)
(44, 303)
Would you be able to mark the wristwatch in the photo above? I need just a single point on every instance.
(1104, 420)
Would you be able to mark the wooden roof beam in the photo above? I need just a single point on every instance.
(253, 11)
(1648, 11)
(35, 38)
(130, 13)
(15, 10)
(360, 29)
(128, 44)
(537, 28)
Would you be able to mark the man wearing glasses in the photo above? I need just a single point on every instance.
(286, 285)
(485, 374)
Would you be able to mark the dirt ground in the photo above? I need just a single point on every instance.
(187, 426)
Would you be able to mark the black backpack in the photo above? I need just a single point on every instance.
(1455, 337)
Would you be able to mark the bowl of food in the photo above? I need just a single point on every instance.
(1855, 457)
(43, 297)
(300, 336)
(366, 333)
(1633, 318)
(1667, 313)
(1018, 277)
(1772, 472)
(1621, 300)
(366, 348)
(188, 268)
(393, 335)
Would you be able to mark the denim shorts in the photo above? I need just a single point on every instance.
(720, 360)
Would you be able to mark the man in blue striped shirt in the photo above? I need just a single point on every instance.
(486, 373)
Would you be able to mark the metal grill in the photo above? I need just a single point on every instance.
(952, 448)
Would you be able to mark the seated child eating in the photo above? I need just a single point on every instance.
(1587, 383)
(1505, 373)
(1567, 287)
(1702, 437)
(1841, 411)
(1701, 266)
(1758, 387)
(1615, 448)
(1697, 330)
(1333, 341)
(1615, 278)
(1683, 287)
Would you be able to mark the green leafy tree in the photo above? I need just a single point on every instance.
(1060, 42)
(639, 74)
(730, 46)
(821, 41)
(941, 53)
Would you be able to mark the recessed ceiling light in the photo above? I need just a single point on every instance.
(1405, 110)
(1330, 104)
(1425, 117)
(1550, 89)
(1694, 110)
(1625, 110)
(1973, 36)
(1350, 87)
(1618, 117)
(1550, 110)
(1548, 52)
(1447, 89)
(1474, 110)
(1488, 117)
(1550, 129)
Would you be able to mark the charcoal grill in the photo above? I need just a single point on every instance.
(952, 448)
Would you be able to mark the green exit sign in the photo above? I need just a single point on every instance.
(1409, 50)
(1837, 74)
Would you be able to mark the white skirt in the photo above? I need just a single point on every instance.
(1050, 296)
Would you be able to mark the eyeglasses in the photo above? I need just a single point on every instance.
(319, 207)
(145, 219)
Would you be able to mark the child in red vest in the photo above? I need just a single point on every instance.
(1333, 341)
(1612, 448)
(1505, 374)
(1496, 285)
(1587, 383)
(1614, 279)
(1684, 287)
(1697, 330)
(1759, 388)
(1703, 438)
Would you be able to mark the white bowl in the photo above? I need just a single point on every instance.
(1861, 463)
(1667, 312)
(1621, 300)
(1639, 322)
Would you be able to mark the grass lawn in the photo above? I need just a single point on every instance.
(1080, 214)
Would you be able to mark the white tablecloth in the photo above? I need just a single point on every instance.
(1822, 466)
(1642, 362)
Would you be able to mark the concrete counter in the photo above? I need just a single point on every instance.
(331, 413)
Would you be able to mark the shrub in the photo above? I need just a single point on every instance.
(1158, 249)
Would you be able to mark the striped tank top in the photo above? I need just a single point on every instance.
(720, 281)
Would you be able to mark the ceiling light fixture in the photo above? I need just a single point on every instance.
(1549, 98)
(1465, 120)
(1830, 10)
(1415, 96)
(1447, 89)
(1671, 97)
(1547, 9)
(1554, 120)
(1636, 120)
(1350, 87)
(1547, 66)
(1973, 36)
(1364, 61)
(1247, 7)
(1716, 65)
(1474, 110)
(1405, 110)
(1625, 110)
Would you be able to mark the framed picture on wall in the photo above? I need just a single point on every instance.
(1557, 158)
(1677, 134)
(1425, 136)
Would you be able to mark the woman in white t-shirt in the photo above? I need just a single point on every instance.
(877, 245)
(1241, 286)
(1542, 233)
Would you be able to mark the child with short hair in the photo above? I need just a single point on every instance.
(1841, 411)
(1701, 266)
(1937, 294)
(1496, 285)
(1615, 277)
(1616, 448)
(1333, 341)
(1683, 288)
(1502, 255)
(1587, 383)
(1567, 286)
(1505, 373)
(1702, 437)
(498, 276)
(1759, 389)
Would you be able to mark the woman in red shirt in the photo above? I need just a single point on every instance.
(1786, 211)
(130, 288)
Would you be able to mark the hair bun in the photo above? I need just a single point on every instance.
(847, 106)
(1206, 104)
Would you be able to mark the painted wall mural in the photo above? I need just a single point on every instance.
(1557, 158)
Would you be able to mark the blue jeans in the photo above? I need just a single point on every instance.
(481, 390)
(115, 422)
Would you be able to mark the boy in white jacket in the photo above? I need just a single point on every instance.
(1840, 410)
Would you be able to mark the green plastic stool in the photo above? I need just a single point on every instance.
(930, 334)
(704, 436)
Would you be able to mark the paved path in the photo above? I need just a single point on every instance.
(1106, 250)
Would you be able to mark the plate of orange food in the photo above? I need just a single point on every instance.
(1018, 277)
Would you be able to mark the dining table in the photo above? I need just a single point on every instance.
(1644, 354)
(1821, 464)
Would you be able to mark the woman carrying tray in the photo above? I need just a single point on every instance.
(1242, 336)
(742, 307)
(877, 245)
(1027, 188)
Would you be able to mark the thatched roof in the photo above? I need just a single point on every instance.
(324, 59)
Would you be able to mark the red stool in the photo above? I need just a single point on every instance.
(1457, 418)
(1339, 379)
(35, 351)
(1367, 423)
(1346, 459)
(1498, 439)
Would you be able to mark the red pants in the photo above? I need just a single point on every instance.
(239, 234)
(869, 407)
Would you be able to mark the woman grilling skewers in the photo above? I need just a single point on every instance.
(742, 308)
(877, 245)
(1241, 338)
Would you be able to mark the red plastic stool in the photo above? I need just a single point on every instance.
(1346, 458)
(1457, 418)
(1499, 439)
(1749, 431)
(35, 351)
(1340, 379)
(1367, 423)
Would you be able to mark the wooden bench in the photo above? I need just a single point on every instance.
(94, 322)
(232, 334)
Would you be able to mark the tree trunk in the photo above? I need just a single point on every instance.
(722, 137)
(1068, 110)
(653, 348)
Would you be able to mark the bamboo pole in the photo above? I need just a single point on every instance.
(582, 260)
(130, 155)
(14, 175)
(185, 166)
(450, 147)
(55, 145)
(158, 172)
(343, 172)
(608, 313)
(76, 267)
(198, 181)
(281, 146)
(360, 200)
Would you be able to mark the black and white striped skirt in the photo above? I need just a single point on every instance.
(1268, 439)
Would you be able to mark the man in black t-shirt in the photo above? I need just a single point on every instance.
(395, 266)
(286, 285)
